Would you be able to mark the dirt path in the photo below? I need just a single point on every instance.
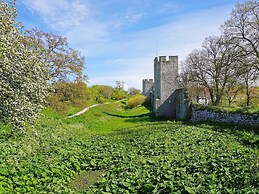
(87, 108)
(82, 111)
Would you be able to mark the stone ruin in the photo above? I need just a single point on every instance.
(163, 92)
(169, 100)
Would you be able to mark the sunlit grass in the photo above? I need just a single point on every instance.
(112, 148)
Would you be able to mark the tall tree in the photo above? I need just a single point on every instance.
(133, 91)
(195, 92)
(103, 90)
(64, 63)
(120, 85)
(233, 88)
(23, 76)
(119, 92)
(242, 29)
(248, 75)
(212, 66)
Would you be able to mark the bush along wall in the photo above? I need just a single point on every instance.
(237, 118)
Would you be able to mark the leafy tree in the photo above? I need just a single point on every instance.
(120, 85)
(66, 94)
(104, 91)
(133, 91)
(233, 88)
(64, 63)
(23, 76)
(118, 92)
(249, 77)
(242, 29)
(227, 64)
(213, 66)
(195, 92)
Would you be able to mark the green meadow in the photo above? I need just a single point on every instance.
(112, 149)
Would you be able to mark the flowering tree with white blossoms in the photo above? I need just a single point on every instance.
(23, 75)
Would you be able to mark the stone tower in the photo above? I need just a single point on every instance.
(165, 84)
(147, 90)
(147, 87)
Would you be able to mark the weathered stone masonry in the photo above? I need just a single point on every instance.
(147, 87)
(204, 115)
(165, 83)
(167, 99)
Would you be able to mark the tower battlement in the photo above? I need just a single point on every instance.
(166, 97)
(165, 76)
(165, 59)
(148, 80)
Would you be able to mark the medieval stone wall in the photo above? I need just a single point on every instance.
(204, 115)
(165, 83)
(157, 79)
(147, 87)
(167, 100)
(169, 76)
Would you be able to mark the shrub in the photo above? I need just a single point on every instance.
(100, 100)
(136, 101)
(118, 94)
(103, 91)
(23, 76)
(66, 94)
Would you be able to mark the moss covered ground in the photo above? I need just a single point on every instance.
(111, 149)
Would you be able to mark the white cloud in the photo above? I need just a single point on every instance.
(73, 19)
(137, 49)
(127, 19)
(88, 32)
(113, 56)
(60, 14)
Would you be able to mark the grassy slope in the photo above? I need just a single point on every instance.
(107, 118)
(131, 151)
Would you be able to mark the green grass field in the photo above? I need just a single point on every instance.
(110, 149)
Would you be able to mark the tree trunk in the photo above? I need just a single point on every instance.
(229, 101)
(211, 95)
(247, 93)
(217, 100)
(247, 97)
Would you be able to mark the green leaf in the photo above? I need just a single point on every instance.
(189, 190)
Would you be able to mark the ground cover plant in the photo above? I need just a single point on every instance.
(136, 154)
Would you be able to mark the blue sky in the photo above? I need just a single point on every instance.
(119, 37)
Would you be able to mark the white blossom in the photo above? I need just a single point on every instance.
(23, 75)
